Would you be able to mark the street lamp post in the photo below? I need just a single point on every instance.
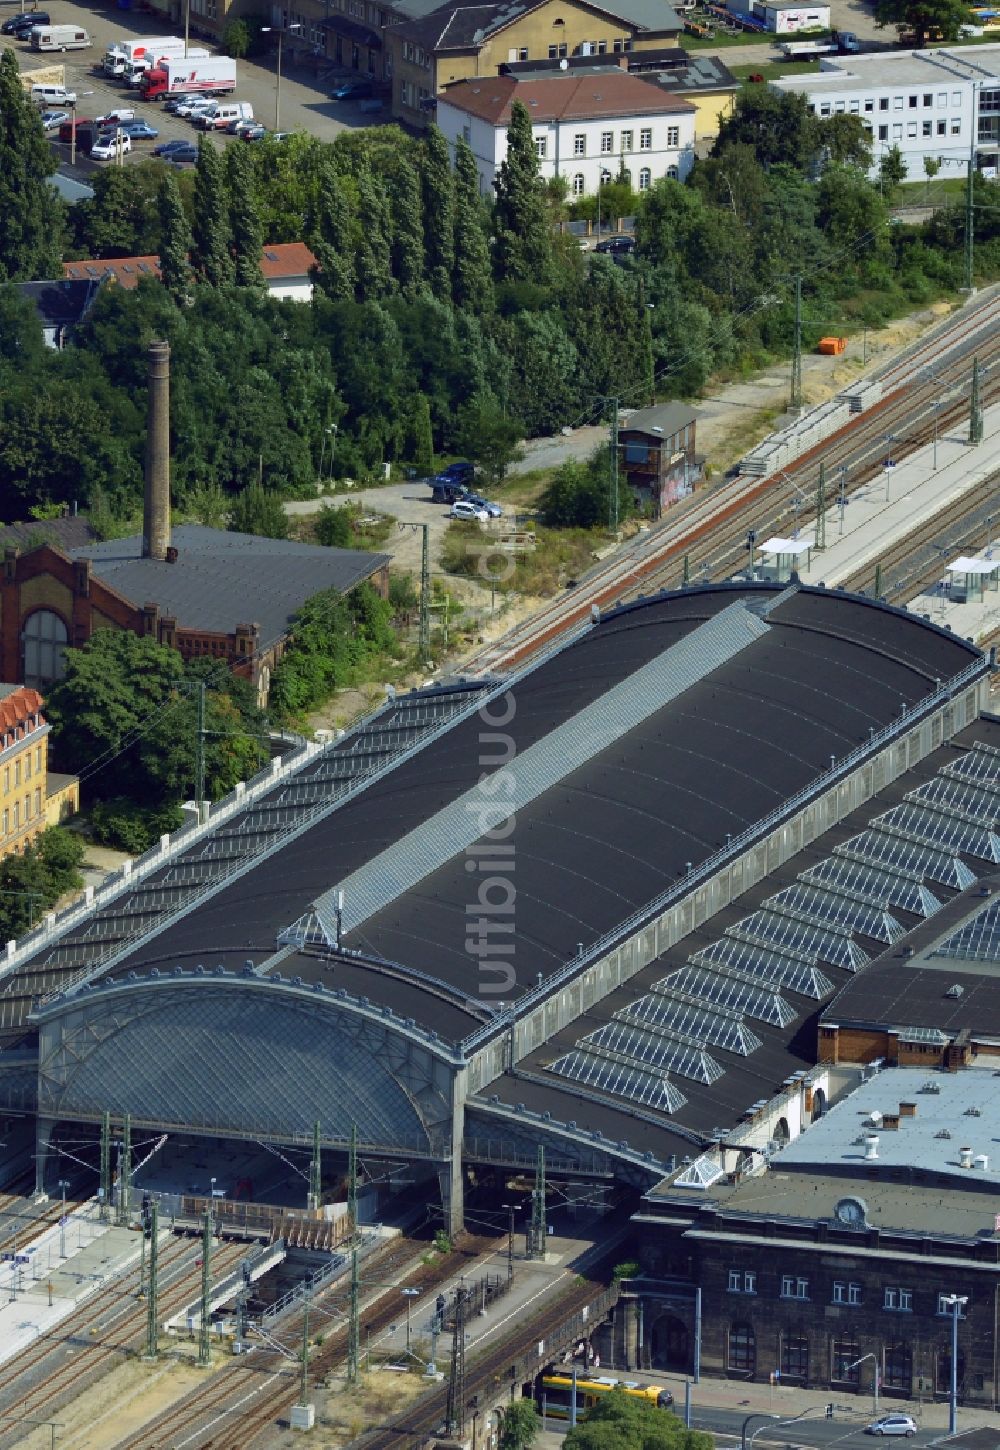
(280, 31)
(956, 1303)
(875, 1376)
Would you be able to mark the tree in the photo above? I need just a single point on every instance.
(333, 527)
(924, 18)
(407, 228)
(119, 220)
(891, 171)
(847, 140)
(259, 511)
(332, 240)
(932, 165)
(776, 125)
(33, 882)
(420, 438)
(520, 1426)
(31, 215)
(472, 283)
(236, 39)
(244, 217)
(438, 211)
(579, 495)
(485, 434)
(622, 1422)
(175, 240)
(212, 234)
(523, 251)
(373, 254)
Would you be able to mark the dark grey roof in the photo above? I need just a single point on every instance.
(59, 304)
(665, 418)
(69, 534)
(702, 73)
(221, 579)
(461, 27)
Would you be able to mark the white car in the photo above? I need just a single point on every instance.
(105, 148)
(52, 120)
(195, 105)
(461, 509)
(893, 1425)
(115, 118)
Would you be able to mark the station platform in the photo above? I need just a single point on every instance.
(39, 1288)
(870, 523)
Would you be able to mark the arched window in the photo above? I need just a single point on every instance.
(898, 1367)
(741, 1357)
(44, 640)
(673, 173)
(781, 1133)
(645, 178)
(578, 184)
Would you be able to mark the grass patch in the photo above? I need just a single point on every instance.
(774, 69)
(522, 491)
(559, 556)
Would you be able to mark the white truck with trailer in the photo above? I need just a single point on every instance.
(214, 76)
(122, 52)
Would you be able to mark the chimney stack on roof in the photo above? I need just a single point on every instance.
(156, 509)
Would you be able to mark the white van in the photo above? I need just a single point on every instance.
(218, 117)
(60, 37)
(49, 97)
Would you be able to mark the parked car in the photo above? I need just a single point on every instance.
(52, 120)
(186, 155)
(193, 105)
(463, 509)
(896, 1424)
(493, 510)
(116, 118)
(461, 471)
(281, 135)
(239, 124)
(616, 246)
(110, 145)
(354, 90)
(140, 131)
(22, 25)
(78, 123)
(166, 148)
(254, 132)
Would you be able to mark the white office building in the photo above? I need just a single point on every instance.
(943, 104)
(587, 126)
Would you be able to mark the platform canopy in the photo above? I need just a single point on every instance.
(786, 546)
(967, 565)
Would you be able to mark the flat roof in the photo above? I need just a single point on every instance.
(886, 69)
(952, 1111)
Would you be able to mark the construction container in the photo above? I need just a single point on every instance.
(832, 346)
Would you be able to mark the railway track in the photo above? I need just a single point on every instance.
(709, 527)
(243, 1400)
(118, 1316)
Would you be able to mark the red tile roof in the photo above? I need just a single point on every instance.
(279, 261)
(561, 98)
(19, 706)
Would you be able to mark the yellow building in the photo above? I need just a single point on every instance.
(701, 80)
(425, 53)
(29, 799)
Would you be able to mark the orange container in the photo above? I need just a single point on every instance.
(832, 346)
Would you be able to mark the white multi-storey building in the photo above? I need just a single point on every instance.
(942, 104)
(587, 127)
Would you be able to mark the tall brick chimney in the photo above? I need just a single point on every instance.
(156, 510)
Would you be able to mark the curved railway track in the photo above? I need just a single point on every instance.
(243, 1400)
(709, 528)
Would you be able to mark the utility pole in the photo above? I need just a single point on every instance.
(105, 1167)
(125, 1173)
(304, 1378)
(153, 1285)
(686, 576)
(315, 1172)
(821, 509)
(613, 492)
(204, 1337)
(354, 1324)
(537, 1231)
(455, 1415)
(425, 596)
(795, 401)
(878, 581)
(199, 753)
(975, 407)
(352, 1180)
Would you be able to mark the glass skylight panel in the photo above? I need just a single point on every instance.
(975, 802)
(933, 1035)
(647, 1089)
(775, 968)
(876, 887)
(717, 1027)
(978, 939)
(977, 764)
(731, 989)
(814, 904)
(812, 942)
(922, 862)
(654, 1051)
(941, 830)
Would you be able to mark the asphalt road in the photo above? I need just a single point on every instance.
(847, 1429)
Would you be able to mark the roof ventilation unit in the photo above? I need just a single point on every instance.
(965, 1156)
(983, 1162)
(871, 1148)
(955, 991)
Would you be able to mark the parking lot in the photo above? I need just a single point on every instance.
(305, 102)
